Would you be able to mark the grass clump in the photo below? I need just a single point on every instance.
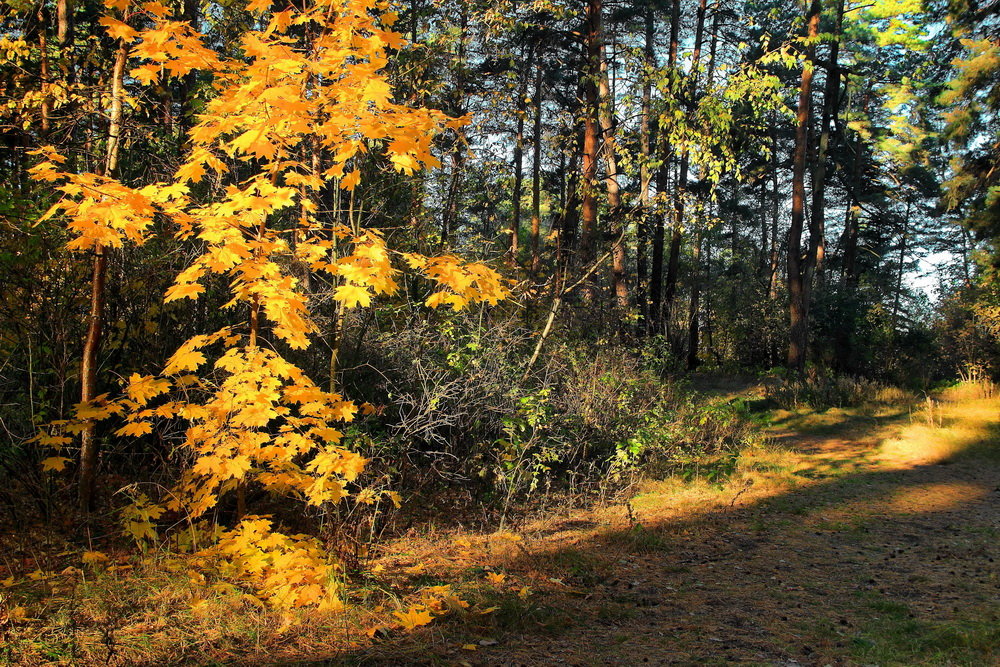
(823, 390)
(894, 635)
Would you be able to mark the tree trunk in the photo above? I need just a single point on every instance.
(899, 271)
(656, 270)
(772, 289)
(676, 235)
(536, 175)
(817, 225)
(588, 158)
(89, 449)
(693, 316)
(849, 238)
(44, 70)
(657, 320)
(694, 321)
(570, 214)
(64, 17)
(606, 117)
(645, 174)
(515, 238)
(459, 152)
(798, 307)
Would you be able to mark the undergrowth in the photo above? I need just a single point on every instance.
(590, 418)
(823, 390)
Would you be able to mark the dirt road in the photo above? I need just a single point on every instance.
(855, 539)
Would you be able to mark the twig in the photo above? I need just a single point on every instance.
(554, 310)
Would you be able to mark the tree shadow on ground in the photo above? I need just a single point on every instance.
(872, 566)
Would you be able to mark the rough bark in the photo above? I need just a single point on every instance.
(694, 317)
(606, 118)
(588, 157)
(656, 319)
(817, 226)
(536, 175)
(515, 238)
(797, 308)
(645, 175)
(676, 234)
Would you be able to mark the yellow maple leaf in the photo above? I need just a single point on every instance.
(190, 171)
(94, 557)
(141, 388)
(135, 429)
(414, 617)
(237, 466)
(366, 496)
(146, 74)
(118, 30)
(353, 295)
(184, 359)
(351, 181)
(19, 615)
(54, 441)
(56, 463)
(495, 578)
(157, 9)
(183, 291)
(93, 409)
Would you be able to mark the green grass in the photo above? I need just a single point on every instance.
(894, 635)
(642, 540)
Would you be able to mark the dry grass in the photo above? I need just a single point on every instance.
(134, 610)
(961, 422)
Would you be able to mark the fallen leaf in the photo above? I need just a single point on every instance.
(93, 557)
(413, 617)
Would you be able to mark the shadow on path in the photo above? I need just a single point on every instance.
(860, 564)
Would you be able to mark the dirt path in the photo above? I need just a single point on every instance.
(860, 540)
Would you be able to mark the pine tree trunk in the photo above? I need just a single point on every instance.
(536, 176)
(657, 322)
(606, 118)
(588, 158)
(676, 234)
(645, 176)
(797, 308)
(694, 318)
(515, 236)
(772, 289)
(817, 225)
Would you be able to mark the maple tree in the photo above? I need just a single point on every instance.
(288, 116)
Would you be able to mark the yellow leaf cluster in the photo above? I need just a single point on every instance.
(461, 283)
(100, 210)
(286, 571)
(251, 416)
(139, 518)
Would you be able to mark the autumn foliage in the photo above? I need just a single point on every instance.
(289, 116)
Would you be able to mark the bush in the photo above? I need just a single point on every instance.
(589, 416)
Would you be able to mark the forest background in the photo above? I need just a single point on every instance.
(636, 190)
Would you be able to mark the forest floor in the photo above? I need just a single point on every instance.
(858, 536)
(863, 536)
